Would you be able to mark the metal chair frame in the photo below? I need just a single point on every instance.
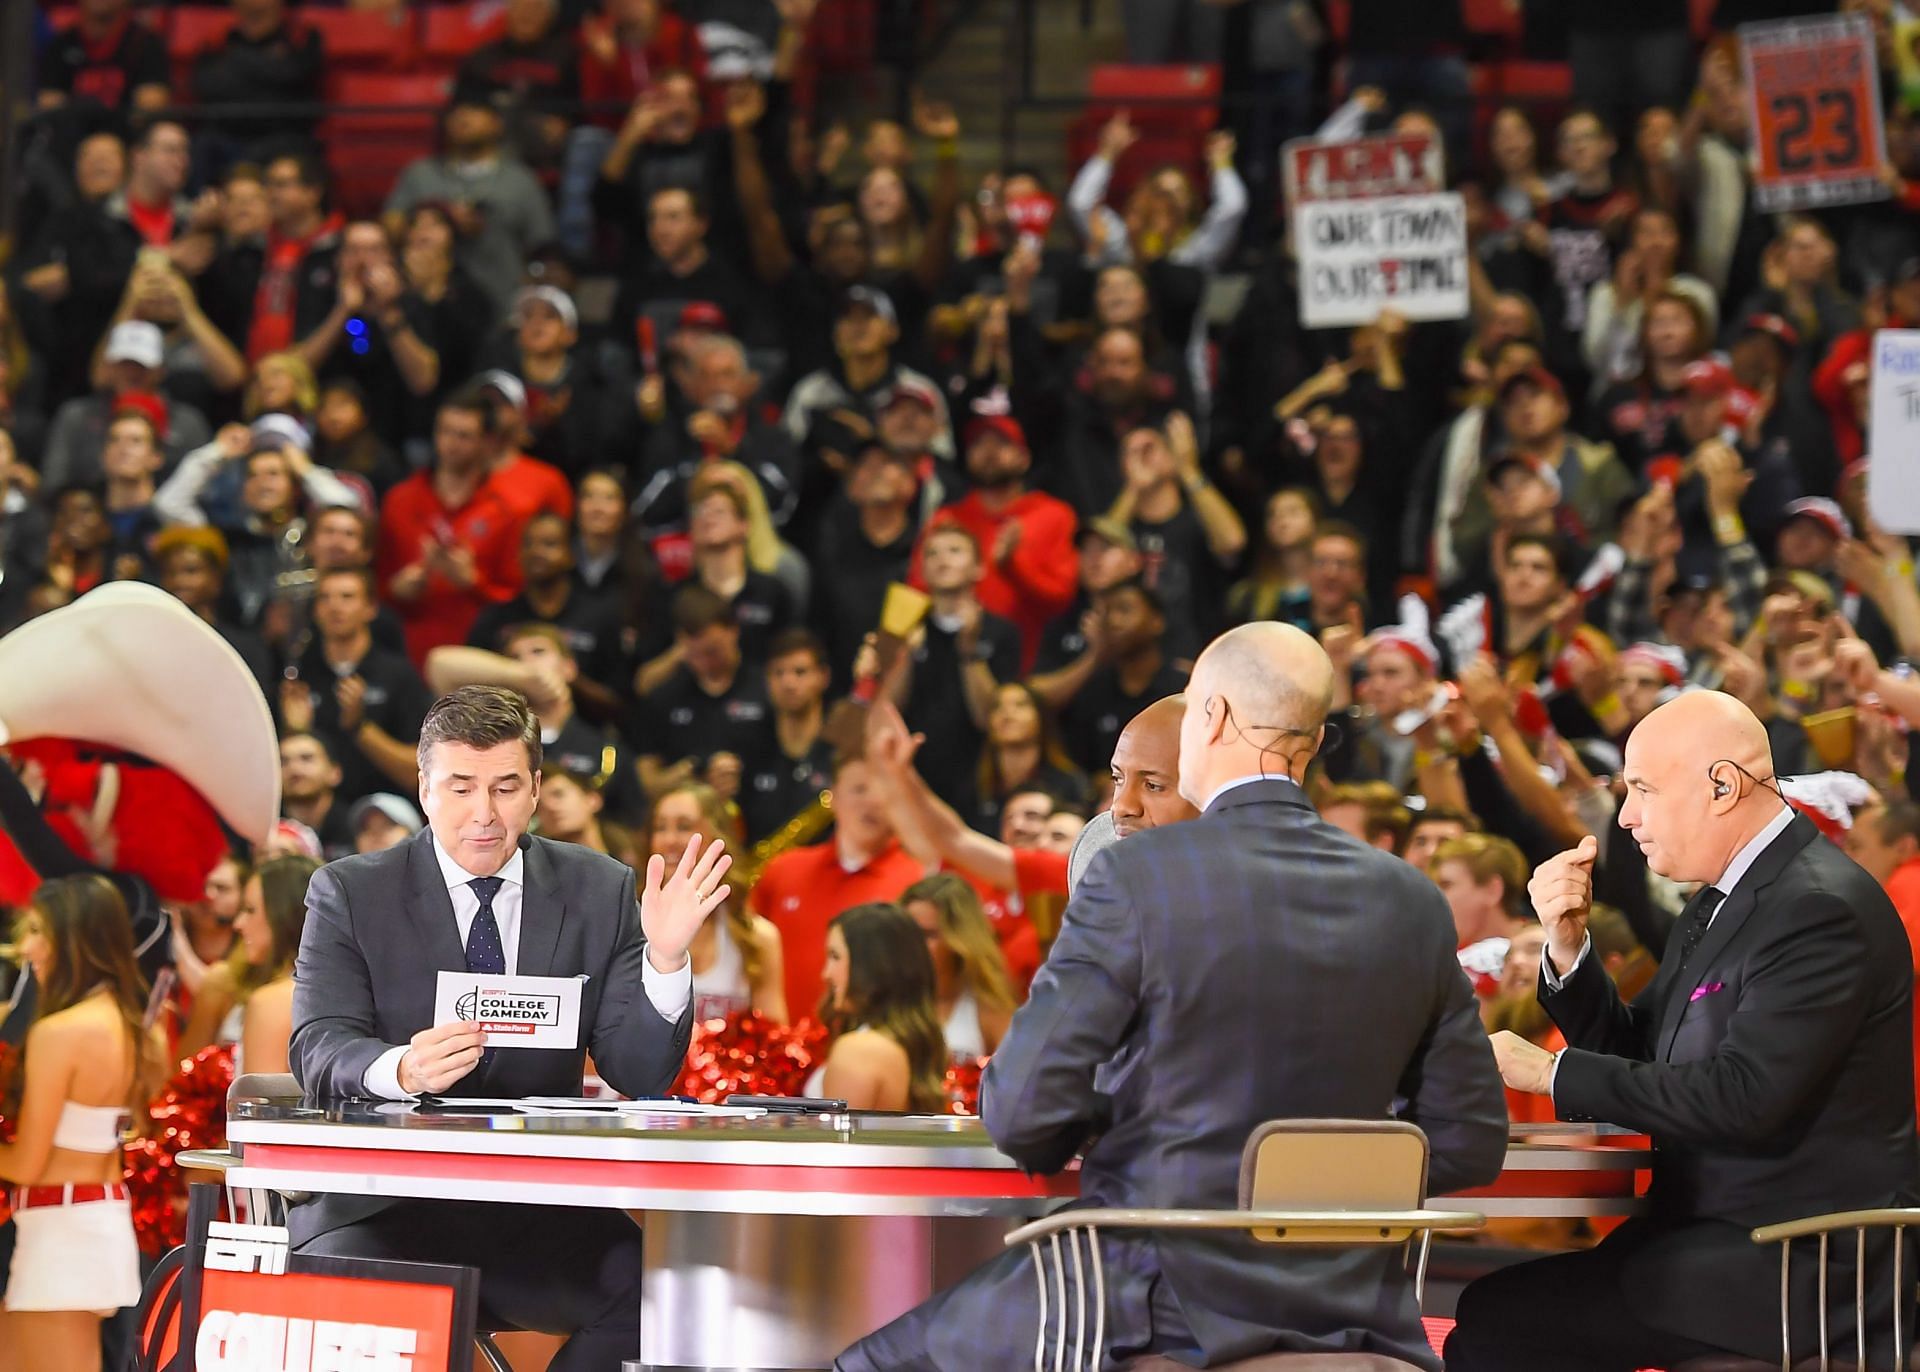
(1324, 1227)
(1824, 1227)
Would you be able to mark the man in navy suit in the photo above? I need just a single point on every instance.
(472, 892)
(1771, 1060)
(1249, 965)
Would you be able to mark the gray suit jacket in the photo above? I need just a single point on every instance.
(379, 929)
(1250, 965)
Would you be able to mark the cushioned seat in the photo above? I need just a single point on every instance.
(1286, 1362)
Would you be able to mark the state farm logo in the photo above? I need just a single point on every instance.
(508, 1012)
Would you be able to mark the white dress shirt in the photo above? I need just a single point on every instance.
(1737, 869)
(670, 992)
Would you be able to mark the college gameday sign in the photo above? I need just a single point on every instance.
(234, 1299)
(1374, 229)
(1815, 88)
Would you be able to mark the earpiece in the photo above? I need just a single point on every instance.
(1720, 788)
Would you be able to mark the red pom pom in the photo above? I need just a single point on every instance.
(190, 1112)
(747, 1054)
(963, 1086)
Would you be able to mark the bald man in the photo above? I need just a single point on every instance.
(1770, 1059)
(1252, 964)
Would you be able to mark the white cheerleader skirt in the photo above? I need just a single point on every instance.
(74, 1257)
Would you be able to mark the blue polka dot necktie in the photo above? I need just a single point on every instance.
(486, 954)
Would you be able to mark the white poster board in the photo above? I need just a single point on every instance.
(1893, 481)
(1407, 253)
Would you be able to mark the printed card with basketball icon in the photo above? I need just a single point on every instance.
(515, 1012)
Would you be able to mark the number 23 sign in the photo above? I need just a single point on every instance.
(1816, 112)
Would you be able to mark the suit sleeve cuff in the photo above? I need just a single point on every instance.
(1556, 980)
(670, 992)
(382, 1077)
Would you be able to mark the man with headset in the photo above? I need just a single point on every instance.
(1770, 1059)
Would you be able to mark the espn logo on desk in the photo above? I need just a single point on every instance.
(509, 1012)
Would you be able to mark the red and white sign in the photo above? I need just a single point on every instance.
(1815, 88)
(1363, 168)
(1374, 230)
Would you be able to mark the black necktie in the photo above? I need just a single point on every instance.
(486, 954)
(1694, 921)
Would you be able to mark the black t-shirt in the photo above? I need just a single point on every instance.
(1175, 562)
(335, 834)
(762, 609)
(106, 74)
(850, 579)
(679, 720)
(582, 747)
(1061, 642)
(542, 75)
(1582, 244)
(590, 623)
(660, 296)
(1068, 785)
(778, 787)
(937, 705)
(1093, 719)
(396, 700)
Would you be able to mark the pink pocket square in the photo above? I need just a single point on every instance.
(1706, 990)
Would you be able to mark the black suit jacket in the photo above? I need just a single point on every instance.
(1253, 964)
(1775, 1075)
(379, 929)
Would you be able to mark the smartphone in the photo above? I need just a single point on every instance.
(792, 1105)
(1410, 719)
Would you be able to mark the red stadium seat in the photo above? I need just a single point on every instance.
(1183, 97)
(450, 32)
(368, 146)
(192, 29)
(363, 38)
(842, 36)
(1492, 18)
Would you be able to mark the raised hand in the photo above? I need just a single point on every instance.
(1562, 895)
(746, 104)
(1116, 136)
(672, 909)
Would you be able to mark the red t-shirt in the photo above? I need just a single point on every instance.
(411, 517)
(1041, 877)
(1038, 580)
(533, 487)
(154, 223)
(1903, 889)
(801, 892)
(674, 46)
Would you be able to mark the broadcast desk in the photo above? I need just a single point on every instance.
(772, 1243)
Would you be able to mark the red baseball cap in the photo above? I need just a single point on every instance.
(1533, 376)
(1003, 424)
(1708, 376)
(703, 314)
(1823, 512)
(908, 388)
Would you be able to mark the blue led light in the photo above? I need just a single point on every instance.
(356, 326)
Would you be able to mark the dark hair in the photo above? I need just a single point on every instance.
(326, 747)
(91, 934)
(1141, 589)
(283, 901)
(695, 201)
(890, 990)
(311, 169)
(540, 629)
(1901, 819)
(125, 412)
(1339, 528)
(790, 641)
(1555, 549)
(987, 778)
(480, 717)
(696, 609)
(363, 575)
(473, 400)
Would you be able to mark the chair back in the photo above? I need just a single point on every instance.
(1369, 1166)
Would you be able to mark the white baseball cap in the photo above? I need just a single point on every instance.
(554, 299)
(136, 340)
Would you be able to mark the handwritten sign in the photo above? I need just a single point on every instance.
(1815, 88)
(1357, 168)
(1893, 481)
(1407, 253)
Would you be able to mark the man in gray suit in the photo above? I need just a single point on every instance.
(1255, 964)
(474, 893)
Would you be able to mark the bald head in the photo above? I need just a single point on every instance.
(1700, 785)
(1256, 706)
(1146, 770)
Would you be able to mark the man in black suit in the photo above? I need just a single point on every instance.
(1252, 964)
(1771, 1060)
(473, 893)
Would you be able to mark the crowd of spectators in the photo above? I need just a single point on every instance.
(386, 456)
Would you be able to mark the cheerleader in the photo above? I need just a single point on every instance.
(90, 1064)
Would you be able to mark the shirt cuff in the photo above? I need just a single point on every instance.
(670, 992)
(1556, 980)
(382, 1076)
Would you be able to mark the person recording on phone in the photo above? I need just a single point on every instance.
(474, 893)
(1770, 1060)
